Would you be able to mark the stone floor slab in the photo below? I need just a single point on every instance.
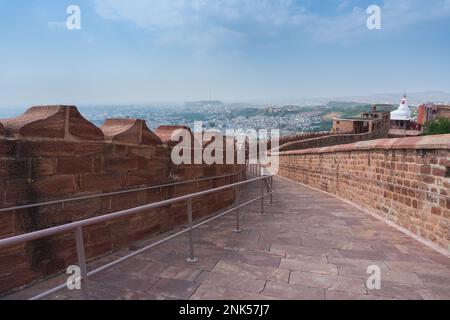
(308, 245)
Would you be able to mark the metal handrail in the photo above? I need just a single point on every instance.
(47, 203)
(79, 225)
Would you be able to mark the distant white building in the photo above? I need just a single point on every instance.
(401, 118)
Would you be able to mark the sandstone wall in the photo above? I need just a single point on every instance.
(52, 153)
(380, 130)
(406, 181)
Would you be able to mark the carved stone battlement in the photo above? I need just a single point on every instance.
(54, 122)
(133, 131)
(52, 153)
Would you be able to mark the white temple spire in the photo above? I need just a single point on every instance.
(403, 112)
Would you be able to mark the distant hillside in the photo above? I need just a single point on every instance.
(343, 104)
(414, 98)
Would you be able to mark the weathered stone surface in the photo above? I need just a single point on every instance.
(43, 122)
(8, 148)
(81, 129)
(217, 279)
(290, 292)
(165, 134)
(254, 272)
(401, 180)
(314, 280)
(61, 122)
(173, 288)
(74, 166)
(313, 267)
(133, 131)
(205, 292)
(236, 266)
(70, 161)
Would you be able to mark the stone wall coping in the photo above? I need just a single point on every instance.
(415, 143)
(133, 131)
(52, 122)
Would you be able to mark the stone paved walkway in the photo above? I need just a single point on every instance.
(308, 246)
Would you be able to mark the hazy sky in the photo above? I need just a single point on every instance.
(137, 51)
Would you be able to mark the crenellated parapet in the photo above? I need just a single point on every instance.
(52, 153)
(165, 133)
(133, 131)
(52, 122)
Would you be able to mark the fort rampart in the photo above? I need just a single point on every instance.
(52, 152)
(403, 181)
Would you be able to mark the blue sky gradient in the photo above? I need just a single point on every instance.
(143, 51)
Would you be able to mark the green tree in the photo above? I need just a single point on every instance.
(439, 126)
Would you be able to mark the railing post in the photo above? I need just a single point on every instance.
(262, 197)
(271, 190)
(238, 227)
(82, 261)
(192, 258)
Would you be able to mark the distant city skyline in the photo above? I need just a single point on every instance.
(156, 51)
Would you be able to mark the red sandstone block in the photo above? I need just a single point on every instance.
(428, 179)
(16, 268)
(425, 169)
(165, 134)
(98, 249)
(52, 187)
(98, 233)
(8, 148)
(155, 177)
(28, 149)
(44, 122)
(82, 129)
(141, 151)
(189, 172)
(97, 165)
(17, 190)
(408, 202)
(41, 167)
(151, 164)
(128, 200)
(74, 166)
(157, 195)
(133, 131)
(52, 122)
(438, 172)
(85, 149)
(102, 182)
(121, 164)
(119, 150)
(7, 224)
(444, 162)
(13, 169)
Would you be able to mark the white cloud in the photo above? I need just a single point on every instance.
(213, 21)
